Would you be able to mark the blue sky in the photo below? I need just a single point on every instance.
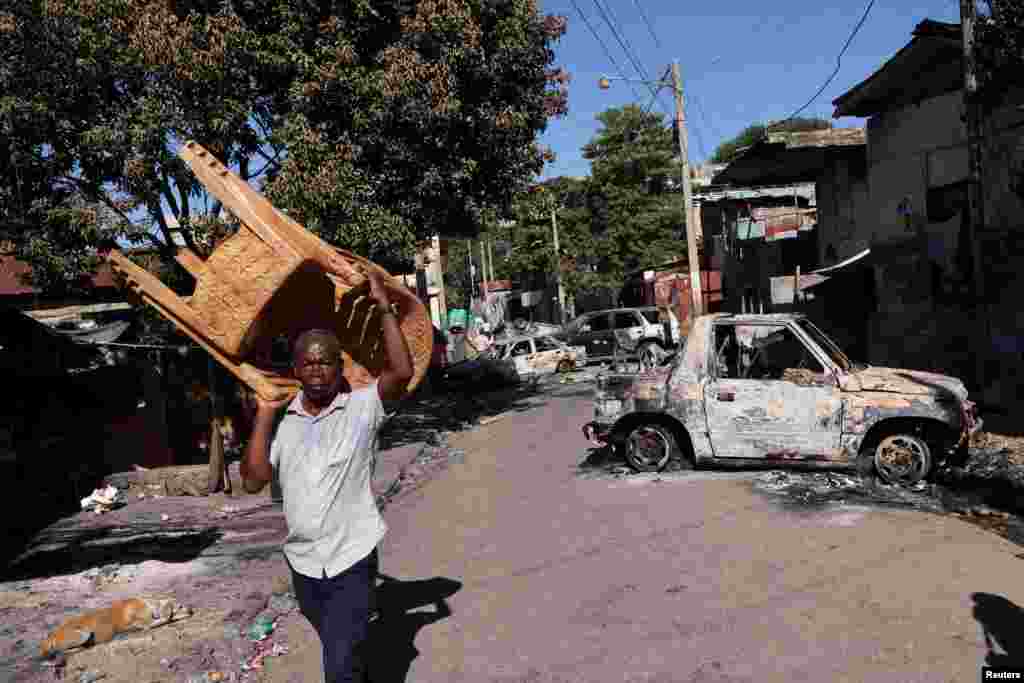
(742, 61)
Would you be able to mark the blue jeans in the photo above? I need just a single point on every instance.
(339, 609)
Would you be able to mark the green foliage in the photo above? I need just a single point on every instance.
(726, 151)
(621, 218)
(635, 220)
(374, 122)
(999, 39)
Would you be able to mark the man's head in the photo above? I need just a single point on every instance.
(316, 360)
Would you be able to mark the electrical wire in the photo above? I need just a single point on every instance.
(650, 28)
(607, 52)
(625, 48)
(700, 140)
(704, 117)
(839, 61)
(632, 54)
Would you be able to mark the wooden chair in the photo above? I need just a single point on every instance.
(272, 278)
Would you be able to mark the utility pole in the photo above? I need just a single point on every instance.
(483, 268)
(558, 264)
(692, 256)
(974, 186)
(975, 200)
(490, 258)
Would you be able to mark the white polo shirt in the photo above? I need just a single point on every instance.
(325, 465)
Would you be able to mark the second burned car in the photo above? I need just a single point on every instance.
(513, 359)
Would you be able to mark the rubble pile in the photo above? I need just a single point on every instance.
(104, 500)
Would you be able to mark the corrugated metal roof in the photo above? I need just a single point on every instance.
(830, 137)
(803, 190)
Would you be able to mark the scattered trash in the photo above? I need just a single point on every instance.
(262, 627)
(232, 631)
(104, 500)
(208, 677)
(226, 511)
(264, 650)
(90, 676)
(284, 602)
(110, 573)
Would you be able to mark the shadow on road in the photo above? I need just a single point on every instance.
(602, 458)
(66, 549)
(1002, 622)
(391, 647)
(430, 410)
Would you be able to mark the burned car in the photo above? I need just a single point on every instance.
(512, 359)
(756, 389)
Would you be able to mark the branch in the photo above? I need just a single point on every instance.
(162, 221)
(97, 196)
(271, 161)
(165, 188)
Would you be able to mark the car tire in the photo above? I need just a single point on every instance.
(649, 447)
(565, 366)
(901, 458)
(649, 355)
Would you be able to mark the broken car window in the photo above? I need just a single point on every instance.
(625, 320)
(762, 352)
(521, 349)
(598, 323)
(826, 344)
(545, 344)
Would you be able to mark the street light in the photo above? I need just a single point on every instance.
(692, 257)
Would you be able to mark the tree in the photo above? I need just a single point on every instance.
(726, 151)
(636, 221)
(376, 123)
(999, 40)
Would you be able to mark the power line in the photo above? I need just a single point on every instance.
(700, 141)
(629, 52)
(607, 52)
(643, 15)
(704, 117)
(839, 61)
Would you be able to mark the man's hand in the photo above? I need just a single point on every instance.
(399, 369)
(378, 290)
(265, 407)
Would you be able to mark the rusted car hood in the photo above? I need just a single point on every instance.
(900, 381)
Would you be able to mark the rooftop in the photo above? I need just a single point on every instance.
(792, 157)
(931, 64)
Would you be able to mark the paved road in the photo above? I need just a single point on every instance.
(553, 577)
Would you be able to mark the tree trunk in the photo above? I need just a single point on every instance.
(217, 477)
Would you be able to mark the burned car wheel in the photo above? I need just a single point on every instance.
(650, 355)
(902, 459)
(648, 448)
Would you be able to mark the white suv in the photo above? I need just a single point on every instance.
(645, 333)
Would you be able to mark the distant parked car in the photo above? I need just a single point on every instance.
(513, 359)
(629, 332)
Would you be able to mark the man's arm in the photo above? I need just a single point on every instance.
(255, 468)
(398, 368)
